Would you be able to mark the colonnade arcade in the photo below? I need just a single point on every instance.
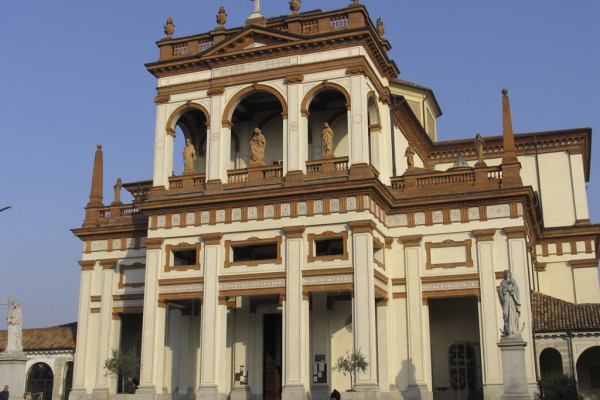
(291, 126)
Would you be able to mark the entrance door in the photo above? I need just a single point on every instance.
(40, 380)
(272, 357)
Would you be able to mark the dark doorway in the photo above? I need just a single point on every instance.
(39, 380)
(272, 357)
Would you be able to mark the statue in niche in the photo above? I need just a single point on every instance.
(117, 189)
(478, 144)
(410, 156)
(189, 157)
(15, 328)
(257, 148)
(327, 137)
(508, 293)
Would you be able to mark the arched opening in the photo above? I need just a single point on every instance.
(550, 361)
(257, 109)
(68, 383)
(374, 132)
(328, 105)
(588, 373)
(192, 125)
(40, 379)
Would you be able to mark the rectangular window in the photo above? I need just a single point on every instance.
(253, 251)
(183, 256)
(328, 246)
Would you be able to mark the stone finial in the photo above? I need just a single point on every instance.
(295, 5)
(96, 189)
(354, 3)
(221, 17)
(508, 136)
(169, 27)
(380, 28)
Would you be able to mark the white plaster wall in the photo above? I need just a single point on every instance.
(557, 281)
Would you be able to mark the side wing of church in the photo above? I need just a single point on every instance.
(301, 208)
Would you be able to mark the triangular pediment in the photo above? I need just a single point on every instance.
(249, 39)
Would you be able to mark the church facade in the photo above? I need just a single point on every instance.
(315, 215)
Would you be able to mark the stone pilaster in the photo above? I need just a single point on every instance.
(357, 121)
(418, 338)
(295, 320)
(153, 326)
(80, 373)
(488, 314)
(163, 147)
(218, 142)
(364, 312)
(213, 324)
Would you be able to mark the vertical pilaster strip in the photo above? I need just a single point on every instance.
(295, 319)
(213, 320)
(105, 327)
(517, 256)
(488, 310)
(80, 373)
(580, 202)
(418, 340)
(296, 137)
(364, 313)
(153, 322)
(216, 136)
(357, 121)
(383, 340)
(163, 148)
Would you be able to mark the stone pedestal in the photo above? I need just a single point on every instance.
(12, 371)
(514, 374)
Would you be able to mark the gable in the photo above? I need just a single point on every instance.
(250, 38)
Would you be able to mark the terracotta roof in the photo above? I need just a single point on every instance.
(554, 315)
(51, 338)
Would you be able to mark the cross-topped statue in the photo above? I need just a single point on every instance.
(14, 320)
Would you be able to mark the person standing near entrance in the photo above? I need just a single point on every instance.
(4, 393)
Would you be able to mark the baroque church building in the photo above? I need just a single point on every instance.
(301, 208)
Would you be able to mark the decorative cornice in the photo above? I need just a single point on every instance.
(363, 226)
(515, 232)
(294, 232)
(153, 243)
(216, 91)
(87, 265)
(162, 99)
(588, 263)
(484, 235)
(212, 238)
(109, 263)
(411, 240)
(294, 79)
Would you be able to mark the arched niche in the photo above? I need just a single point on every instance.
(327, 103)
(189, 121)
(588, 373)
(550, 361)
(258, 106)
(40, 379)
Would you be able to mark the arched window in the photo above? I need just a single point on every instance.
(550, 361)
(40, 379)
(588, 373)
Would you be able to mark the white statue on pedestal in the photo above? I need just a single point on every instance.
(15, 328)
(508, 293)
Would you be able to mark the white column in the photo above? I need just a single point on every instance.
(295, 320)
(163, 148)
(81, 384)
(217, 142)
(214, 324)
(357, 123)
(418, 339)
(488, 312)
(383, 340)
(296, 140)
(580, 202)
(104, 334)
(363, 321)
(517, 256)
(153, 326)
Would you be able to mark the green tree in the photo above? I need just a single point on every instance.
(559, 386)
(350, 364)
(121, 363)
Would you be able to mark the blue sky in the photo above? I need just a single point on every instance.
(73, 76)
